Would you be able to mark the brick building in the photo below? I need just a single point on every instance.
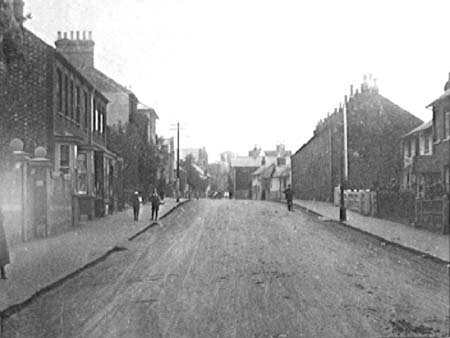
(151, 118)
(441, 136)
(46, 101)
(375, 128)
(420, 167)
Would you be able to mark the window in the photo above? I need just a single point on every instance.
(101, 122)
(447, 124)
(408, 148)
(86, 110)
(60, 91)
(64, 158)
(71, 101)
(447, 178)
(281, 161)
(78, 105)
(427, 139)
(96, 118)
(82, 173)
(66, 96)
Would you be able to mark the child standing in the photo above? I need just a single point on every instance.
(156, 201)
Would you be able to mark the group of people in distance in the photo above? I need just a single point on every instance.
(136, 200)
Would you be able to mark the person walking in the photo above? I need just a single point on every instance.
(4, 252)
(289, 193)
(135, 202)
(156, 201)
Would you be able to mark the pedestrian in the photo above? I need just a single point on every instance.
(4, 253)
(135, 202)
(289, 193)
(156, 201)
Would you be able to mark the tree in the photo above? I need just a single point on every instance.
(11, 30)
(140, 159)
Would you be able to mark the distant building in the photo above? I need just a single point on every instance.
(199, 154)
(151, 116)
(243, 167)
(420, 167)
(375, 128)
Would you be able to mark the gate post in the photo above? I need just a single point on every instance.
(21, 160)
(40, 175)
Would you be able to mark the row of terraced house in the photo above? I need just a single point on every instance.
(56, 114)
(389, 151)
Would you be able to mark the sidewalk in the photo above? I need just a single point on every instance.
(40, 263)
(421, 240)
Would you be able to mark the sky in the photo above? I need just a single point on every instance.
(239, 73)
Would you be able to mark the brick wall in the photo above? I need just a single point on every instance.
(25, 97)
(311, 169)
(375, 128)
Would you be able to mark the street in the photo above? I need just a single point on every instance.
(229, 268)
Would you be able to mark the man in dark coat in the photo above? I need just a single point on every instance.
(156, 201)
(289, 193)
(135, 202)
(4, 253)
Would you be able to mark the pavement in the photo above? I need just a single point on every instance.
(416, 239)
(38, 264)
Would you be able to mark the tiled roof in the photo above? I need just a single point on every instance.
(102, 81)
(440, 98)
(143, 107)
(423, 126)
(259, 171)
(282, 171)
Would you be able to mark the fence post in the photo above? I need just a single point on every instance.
(445, 214)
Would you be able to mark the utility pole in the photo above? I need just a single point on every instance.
(178, 162)
(344, 165)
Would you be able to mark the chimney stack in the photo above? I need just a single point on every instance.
(79, 52)
(351, 90)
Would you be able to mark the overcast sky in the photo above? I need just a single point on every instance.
(237, 73)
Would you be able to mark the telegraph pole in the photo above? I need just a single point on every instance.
(344, 165)
(178, 162)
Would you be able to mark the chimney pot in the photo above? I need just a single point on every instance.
(90, 35)
(351, 90)
(71, 35)
(78, 35)
(65, 35)
(84, 35)
(59, 35)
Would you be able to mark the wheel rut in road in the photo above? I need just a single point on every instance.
(220, 268)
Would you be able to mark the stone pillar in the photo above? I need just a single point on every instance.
(21, 160)
(40, 175)
(19, 202)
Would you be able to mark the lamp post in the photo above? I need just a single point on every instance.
(344, 165)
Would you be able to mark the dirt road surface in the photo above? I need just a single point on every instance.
(220, 268)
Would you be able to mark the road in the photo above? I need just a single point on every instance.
(220, 268)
